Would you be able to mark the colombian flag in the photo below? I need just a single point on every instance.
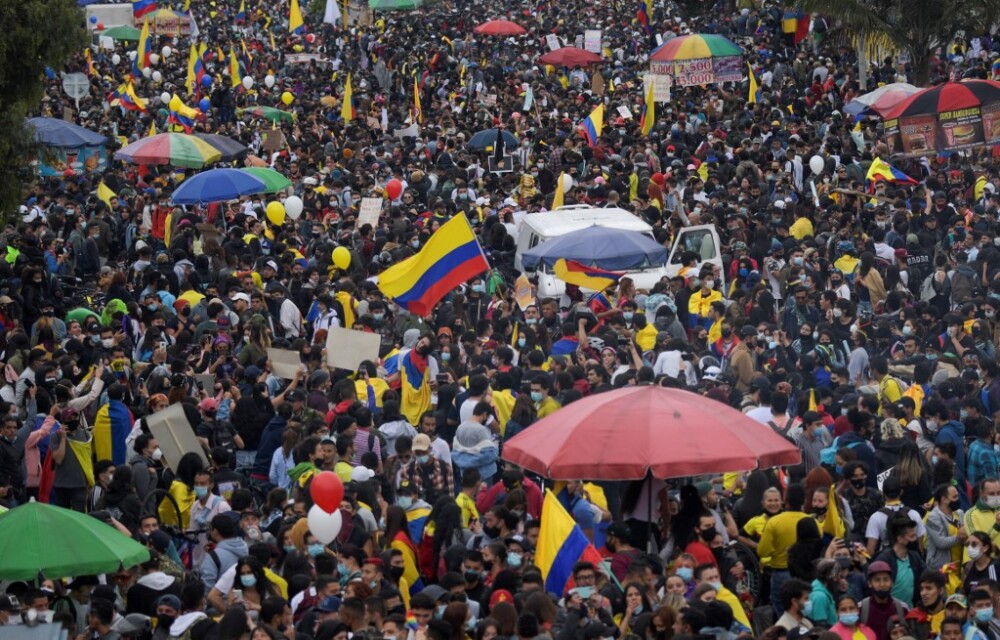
(141, 8)
(593, 125)
(415, 386)
(882, 170)
(184, 117)
(451, 256)
(295, 23)
(347, 111)
(142, 50)
(241, 15)
(561, 544)
(234, 71)
(90, 62)
(648, 113)
(833, 524)
(644, 15)
(128, 99)
(581, 275)
(754, 88)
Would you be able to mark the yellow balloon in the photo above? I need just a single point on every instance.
(276, 213)
(341, 258)
(287, 97)
(176, 103)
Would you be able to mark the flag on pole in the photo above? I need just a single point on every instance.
(104, 194)
(234, 70)
(754, 88)
(90, 62)
(645, 14)
(241, 15)
(648, 113)
(882, 170)
(593, 124)
(142, 50)
(418, 112)
(561, 544)
(347, 111)
(332, 13)
(295, 22)
(192, 77)
(142, 8)
(557, 199)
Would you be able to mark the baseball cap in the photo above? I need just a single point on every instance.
(208, 405)
(362, 474)
(272, 264)
(878, 566)
(241, 296)
(329, 604)
(712, 373)
(10, 603)
(958, 599)
(421, 442)
(434, 591)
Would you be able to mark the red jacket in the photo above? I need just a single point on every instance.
(488, 498)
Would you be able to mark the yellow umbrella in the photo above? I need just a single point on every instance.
(192, 297)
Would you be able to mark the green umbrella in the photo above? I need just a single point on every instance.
(268, 113)
(275, 181)
(42, 539)
(122, 32)
(394, 5)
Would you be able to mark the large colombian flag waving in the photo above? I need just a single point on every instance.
(451, 256)
(561, 544)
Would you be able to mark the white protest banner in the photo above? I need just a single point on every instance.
(661, 86)
(175, 435)
(592, 41)
(346, 348)
(552, 42)
(284, 362)
(371, 209)
(624, 112)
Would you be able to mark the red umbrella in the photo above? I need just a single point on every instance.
(948, 96)
(569, 57)
(628, 433)
(500, 28)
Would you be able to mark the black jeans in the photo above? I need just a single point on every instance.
(70, 498)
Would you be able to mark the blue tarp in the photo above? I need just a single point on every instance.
(602, 247)
(53, 132)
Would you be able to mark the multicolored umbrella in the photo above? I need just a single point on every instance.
(500, 28)
(273, 181)
(229, 148)
(882, 99)
(695, 47)
(122, 32)
(268, 113)
(176, 149)
(217, 185)
(569, 57)
(948, 96)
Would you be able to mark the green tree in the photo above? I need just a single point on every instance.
(914, 26)
(35, 34)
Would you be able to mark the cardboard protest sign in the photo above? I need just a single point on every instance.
(175, 435)
(284, 362)
(346, 348)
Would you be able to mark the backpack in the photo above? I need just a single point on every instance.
(963, 283)
(866, 609)
(781, 431)
(828, 456)
(201, 630)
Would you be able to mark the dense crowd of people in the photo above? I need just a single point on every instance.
(857, 319)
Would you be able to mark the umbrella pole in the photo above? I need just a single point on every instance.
(651, 545)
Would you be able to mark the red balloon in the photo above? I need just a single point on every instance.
(100, 26)
(327, 491)
(393, 188)
(311, 38)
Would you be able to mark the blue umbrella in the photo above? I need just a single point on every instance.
(53, 132)
(217, 185)
(486, 140)
(602, 247)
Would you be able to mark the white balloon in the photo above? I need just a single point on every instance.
(131, 55)
(157, 76)
(293, 207)
(816, 163)
(165, 97)
(153, 58)
(324, 526)
(269, 81)
(165, 52)
(115, 59)
(567, 183)
(248, 83)
(146, 72)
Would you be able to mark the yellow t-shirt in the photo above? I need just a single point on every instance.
(549, 406)
(469, 510)
(343, 471)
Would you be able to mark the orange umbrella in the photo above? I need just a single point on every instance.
(254, 161)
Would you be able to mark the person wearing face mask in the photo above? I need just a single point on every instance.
(981, 566)
(849, 625)
(700, 304)
(227, 550)
(796, 606)
(980, 617)
(946, 534)
(204, 509)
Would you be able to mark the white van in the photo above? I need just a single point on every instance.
(534, 228)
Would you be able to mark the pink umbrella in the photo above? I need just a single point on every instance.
(569, 57)
(500, 28)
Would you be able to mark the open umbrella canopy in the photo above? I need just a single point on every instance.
(217, 185)
(695, 47)
(948, 96)
(268, 113)
(569, 57)
(122, 32)
(229, 148)
(631, 432)
(42, 539)
(601, 247)
(487, 140)
(881, 99)
(177, 149)
(54, 132)
(500, 28)
(273, 181)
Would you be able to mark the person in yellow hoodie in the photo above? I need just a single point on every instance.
(700, 304)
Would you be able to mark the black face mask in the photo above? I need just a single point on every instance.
(954, 505)
(395, 573)
(819, 510)
(164, 622)
(492, 532)
(471, 577)
(727, 333)
(858, 483)
(708, 534)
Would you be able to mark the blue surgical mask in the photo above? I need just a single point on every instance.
(424, 459)
(628, 315)
(289, 548)
(536, 396)
(848, 619)
(404, 502)
(684, 573)
(771, 344)
(201, 492)
(637, 610)
(315, 549)
(445, 356)
(514, 559)
(963, 414)
(934, 460)
(479, 288)
(378, 316)
(342, 569)
(530, 321)
(585, 592)
(716, 585)
(839, 469)
(807, 609)
(907, 330)
(522, 341)
(439, 611)
(984, 615)
(248, 580)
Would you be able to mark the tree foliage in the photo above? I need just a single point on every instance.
(914, 26)
(36, 34)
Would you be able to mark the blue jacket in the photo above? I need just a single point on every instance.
(270, 440)
(954, 432)
(864, 453)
